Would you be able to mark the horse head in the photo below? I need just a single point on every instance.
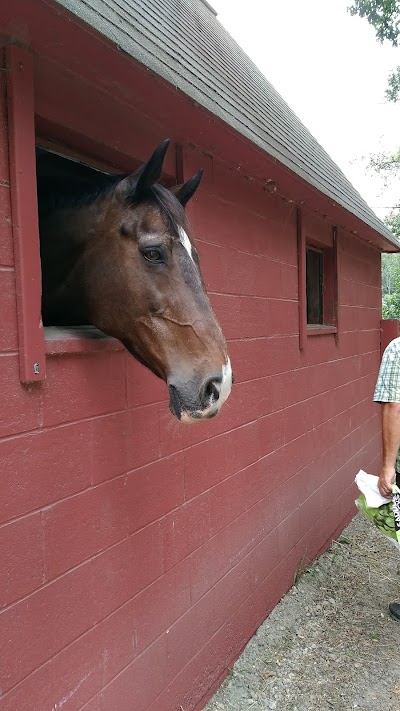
(132, 270)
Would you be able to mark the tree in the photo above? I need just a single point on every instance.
(386, 164)
(391, 273)
(392, 93)
(393, 222)
(384, 16)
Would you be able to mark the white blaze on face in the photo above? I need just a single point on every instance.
(185, 241)
(226, 384)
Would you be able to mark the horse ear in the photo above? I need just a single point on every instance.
(184, 192)
(151, 171)
(134, 185)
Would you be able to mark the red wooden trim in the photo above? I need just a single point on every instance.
(69, 153)
(21, 126)
(320, 330)
(301, 261)
(62, 341)
(336, 280)
(179, 163)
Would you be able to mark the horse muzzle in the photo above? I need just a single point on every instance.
(192, 402)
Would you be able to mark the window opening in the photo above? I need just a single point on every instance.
(314, 285)
(59, 175)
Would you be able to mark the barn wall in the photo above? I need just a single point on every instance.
(138, 556)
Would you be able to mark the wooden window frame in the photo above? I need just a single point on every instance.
(25, 133)
(21, 139)
(330, 323)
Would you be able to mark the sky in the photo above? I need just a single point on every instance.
(331, 70)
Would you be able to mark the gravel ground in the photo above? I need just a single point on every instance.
(330, 643)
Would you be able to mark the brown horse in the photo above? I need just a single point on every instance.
(119, 257)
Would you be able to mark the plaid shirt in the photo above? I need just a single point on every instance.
(387, 387)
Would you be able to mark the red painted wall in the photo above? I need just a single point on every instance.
(138, 555)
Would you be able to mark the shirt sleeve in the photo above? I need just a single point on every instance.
(387, 387)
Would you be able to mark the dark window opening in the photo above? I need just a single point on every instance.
(314, 286)
(50, 164)
(321, 287)
(58, 176)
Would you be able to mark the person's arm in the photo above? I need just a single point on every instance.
(391, 445)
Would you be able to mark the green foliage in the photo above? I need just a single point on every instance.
(383, 15)
(392, 220)
(391, 306)
(392, 93)
(391, 273)
(386, 164)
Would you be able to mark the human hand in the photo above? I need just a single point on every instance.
(386, 478)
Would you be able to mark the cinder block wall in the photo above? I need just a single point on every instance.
(138, 556)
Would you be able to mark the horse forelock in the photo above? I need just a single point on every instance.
(170, 207)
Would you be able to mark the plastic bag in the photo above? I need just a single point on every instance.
(386, 516)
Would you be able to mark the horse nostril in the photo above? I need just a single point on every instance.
(211, 390)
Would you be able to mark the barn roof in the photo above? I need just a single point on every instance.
(183, 42)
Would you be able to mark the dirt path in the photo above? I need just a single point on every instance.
(330, 643)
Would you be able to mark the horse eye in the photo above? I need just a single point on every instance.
(152, 255)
